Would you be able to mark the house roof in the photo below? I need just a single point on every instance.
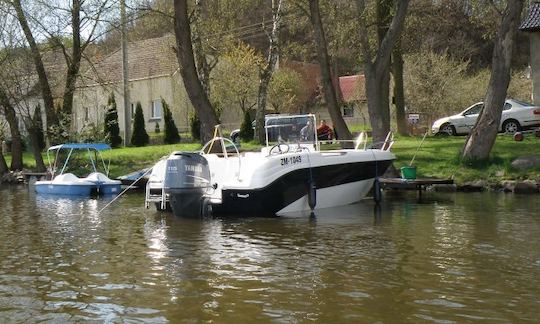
(532, 22)
(352, 88)
(146, 58)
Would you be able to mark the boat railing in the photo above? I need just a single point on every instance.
(218, 137)
(361, 142)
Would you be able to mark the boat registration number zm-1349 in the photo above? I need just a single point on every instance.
(291, 160)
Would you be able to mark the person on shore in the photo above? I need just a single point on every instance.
(324, 132)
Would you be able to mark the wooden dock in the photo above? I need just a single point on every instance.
(419, 184)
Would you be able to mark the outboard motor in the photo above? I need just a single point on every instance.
(187, 178)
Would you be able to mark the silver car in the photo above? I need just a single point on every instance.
(516, 115)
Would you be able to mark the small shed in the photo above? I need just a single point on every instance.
(531, 25)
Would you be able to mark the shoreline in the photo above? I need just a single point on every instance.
(527, 186)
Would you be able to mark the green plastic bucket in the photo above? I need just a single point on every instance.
(408, 172)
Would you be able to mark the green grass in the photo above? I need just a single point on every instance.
(438, 157)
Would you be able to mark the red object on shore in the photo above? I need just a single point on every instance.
(518, 137)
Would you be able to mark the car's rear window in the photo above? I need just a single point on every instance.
(523, 103)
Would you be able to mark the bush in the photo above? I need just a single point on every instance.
(140, 136)
(171, 132)
(246, 129)
(111, 129)
(195, 126)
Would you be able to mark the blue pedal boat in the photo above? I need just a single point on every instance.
(65, 183)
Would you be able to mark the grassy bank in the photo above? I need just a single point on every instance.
(438, 157)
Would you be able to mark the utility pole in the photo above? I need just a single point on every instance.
(125, 75)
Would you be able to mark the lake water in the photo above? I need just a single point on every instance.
(451, 258)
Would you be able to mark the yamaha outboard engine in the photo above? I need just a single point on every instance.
(187, 179)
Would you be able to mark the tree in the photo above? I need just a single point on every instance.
(241, 63)
(139, 136)
(399, 90)
(34, 125)
(188, 71)
(45, 89)
(284, 90)
(324, 61)
(83, 16)
(3, 164)
(111, 127)
(434, 83)
(268, 69)
(16, 138)
(376, 67)
(171, 132)
(482, 137)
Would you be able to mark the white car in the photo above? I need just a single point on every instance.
(516, 115)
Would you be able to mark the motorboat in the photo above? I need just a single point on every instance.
(296, 173)
(67, 183)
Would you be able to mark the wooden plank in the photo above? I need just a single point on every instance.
(415, 182)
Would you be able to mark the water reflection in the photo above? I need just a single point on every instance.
(454, 258)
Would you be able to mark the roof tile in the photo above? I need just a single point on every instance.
(532, 22)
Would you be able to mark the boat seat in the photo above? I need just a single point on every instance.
(67, 177)
(98, 177)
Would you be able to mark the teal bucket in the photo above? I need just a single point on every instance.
(408, 172)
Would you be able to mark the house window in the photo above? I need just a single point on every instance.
(156, 109)
(348, 111)
(132, 110)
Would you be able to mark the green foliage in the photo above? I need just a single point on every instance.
(139, 136)
(59, 133)
(236, 81)
(246, 129)
(91, 133)
(285, 90)
(38, 124)
(171, 132)
(111, 127)
(195, 126)
(156, 128)
(434, 84)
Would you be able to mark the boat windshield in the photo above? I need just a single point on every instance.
(291, 129)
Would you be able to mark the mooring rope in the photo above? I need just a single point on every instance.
(124, 191)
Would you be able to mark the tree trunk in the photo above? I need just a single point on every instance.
(378, 94)
(266, 73)
(399, 93)
(186, 61)
(201, 63)
(482, 137)
(32, 125)
(377, 70)
(73, 62)
(3, 164)
(52, 118)
(16, 140)
(324, 62)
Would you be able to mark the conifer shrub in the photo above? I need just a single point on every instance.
(195, 126)
(246, 129)
(111, 128)
(170, 129)
(38, 124)
(140, 136)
